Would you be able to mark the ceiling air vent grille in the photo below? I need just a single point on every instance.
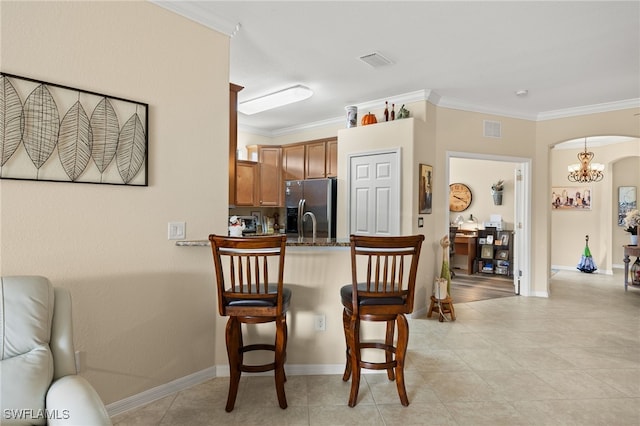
(492, 129)
(375, 60)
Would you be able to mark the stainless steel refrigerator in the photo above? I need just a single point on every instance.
(309, 199)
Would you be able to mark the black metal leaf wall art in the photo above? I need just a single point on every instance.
(41, 125)
(86, 147)
(11, 120)
(104, 123)
(131, 148)
(74, 143)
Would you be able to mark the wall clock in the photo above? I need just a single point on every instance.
(459, 197)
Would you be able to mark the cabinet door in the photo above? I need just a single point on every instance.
(270, 191)
(246, 180)
(332, 158)
(293, 162)
(315, 160)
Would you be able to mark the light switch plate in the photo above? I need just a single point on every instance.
(177, 230)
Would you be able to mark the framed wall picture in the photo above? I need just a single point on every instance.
(425, 189)
(571, 198)
(626, 201)
(503, 237)
(502, 254)
(487, 252)
(59, 133)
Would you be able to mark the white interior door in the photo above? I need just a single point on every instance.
(374, 194)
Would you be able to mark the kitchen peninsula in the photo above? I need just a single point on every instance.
(315, 271)
(291, 242)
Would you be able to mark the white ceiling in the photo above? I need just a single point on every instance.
(571, 56)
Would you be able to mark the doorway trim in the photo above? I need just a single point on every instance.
(522, 223)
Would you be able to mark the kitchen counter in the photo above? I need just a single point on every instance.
(291, 242)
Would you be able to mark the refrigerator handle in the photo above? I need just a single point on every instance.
(300, 213)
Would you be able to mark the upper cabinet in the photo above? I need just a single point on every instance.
(293, 161)
(233, 139)
(246, 183)
(270, 187)
(316, 159)
(310, 160)
(332, 158)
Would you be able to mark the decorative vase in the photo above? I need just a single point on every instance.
(634, 240)
(497, 197)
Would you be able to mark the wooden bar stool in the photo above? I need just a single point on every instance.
(383, 272)
(246, 296)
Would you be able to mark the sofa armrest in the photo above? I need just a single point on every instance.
(72, 400)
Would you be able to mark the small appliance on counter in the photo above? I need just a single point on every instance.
(248, 225)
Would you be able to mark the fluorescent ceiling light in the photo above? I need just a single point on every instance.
(274, 100)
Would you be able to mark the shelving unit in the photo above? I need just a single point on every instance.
(495, 252)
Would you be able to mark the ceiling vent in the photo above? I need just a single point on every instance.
(492, 129)
(375, 60)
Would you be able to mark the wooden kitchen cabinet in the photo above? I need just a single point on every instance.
(332, 158)
(315, 160)
(270, 186)
(246, 181)
(293, 161)
(233, 139)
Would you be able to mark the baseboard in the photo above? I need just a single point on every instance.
(159, 392)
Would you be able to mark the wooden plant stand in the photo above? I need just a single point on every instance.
(447, 308)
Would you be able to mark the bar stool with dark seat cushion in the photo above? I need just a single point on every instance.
(383, 271)
(247, 296)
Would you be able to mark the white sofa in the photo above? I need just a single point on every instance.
(39, 384)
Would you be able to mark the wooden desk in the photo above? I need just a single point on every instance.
(629, 251)
(465, 245)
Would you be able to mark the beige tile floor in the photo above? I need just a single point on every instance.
(571, 359)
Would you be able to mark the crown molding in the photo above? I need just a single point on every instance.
(459, 104)
(589, 109)
(202, 15)
(453, 103)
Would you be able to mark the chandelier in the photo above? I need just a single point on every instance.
(585, 171)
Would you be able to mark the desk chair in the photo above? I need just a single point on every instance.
(383, 271)
(247, 296)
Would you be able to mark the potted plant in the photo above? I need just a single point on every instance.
(631, 223)
(496, 191)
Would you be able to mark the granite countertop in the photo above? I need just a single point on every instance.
(291, 242)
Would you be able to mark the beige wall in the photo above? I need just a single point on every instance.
(479, 175)
(143, 308)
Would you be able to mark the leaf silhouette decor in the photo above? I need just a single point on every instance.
(82, 128)
(131, 152)
(41, 125)
(74, 141)
(11, 120)
(105, 127)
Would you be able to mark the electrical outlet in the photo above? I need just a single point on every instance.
(177, 230)
(320, 322)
